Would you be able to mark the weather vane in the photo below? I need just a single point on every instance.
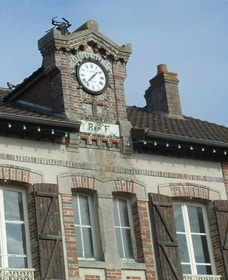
(61, 25)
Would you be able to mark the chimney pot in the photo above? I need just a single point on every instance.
(161, 68)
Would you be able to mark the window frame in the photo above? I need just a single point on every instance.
(131, 227)
(92, 214)
(188, 233)
(3, 234)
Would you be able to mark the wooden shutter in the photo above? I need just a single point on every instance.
(49, 232)
(221, 210)
(164, 235)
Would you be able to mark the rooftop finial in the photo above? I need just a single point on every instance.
(61, 25)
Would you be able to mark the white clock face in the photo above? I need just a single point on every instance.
(92, 76)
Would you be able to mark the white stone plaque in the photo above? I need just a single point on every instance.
(110, 130)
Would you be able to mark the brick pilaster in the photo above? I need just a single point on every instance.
(146, 248)
(70, 238)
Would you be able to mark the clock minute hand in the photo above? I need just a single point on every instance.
(92, 77)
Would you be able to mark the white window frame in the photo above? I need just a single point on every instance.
(130, 227)
(188, 234)
(3, 233)
(91, 226)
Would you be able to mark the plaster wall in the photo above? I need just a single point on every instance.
(177, 170)
(54, 161)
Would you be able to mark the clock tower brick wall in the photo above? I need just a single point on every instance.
(45, 91)
(62, 53)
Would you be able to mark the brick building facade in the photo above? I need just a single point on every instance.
(93, 189)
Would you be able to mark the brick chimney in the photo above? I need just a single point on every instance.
(163, 96)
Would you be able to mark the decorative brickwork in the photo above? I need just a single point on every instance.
(124, 186)
(84, 182)
(66, 52)
(144, 240)
(188, 190)
(15, 174)
(107, 168)
(70, 238)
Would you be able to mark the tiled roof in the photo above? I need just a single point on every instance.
(185, 128)
(154, 124)
(3, 92)
(18, 113)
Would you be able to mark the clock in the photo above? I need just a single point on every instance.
(92, 76)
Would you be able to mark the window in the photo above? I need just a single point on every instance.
(123, 228)
(193, 239)
(14, 229)
(84, 225)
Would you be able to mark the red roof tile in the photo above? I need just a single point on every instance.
(185, 127)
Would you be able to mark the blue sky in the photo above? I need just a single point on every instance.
(190, 36)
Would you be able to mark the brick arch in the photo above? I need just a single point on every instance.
(82, 182)
(129, 186)
(15, 174)
(112, 185)
(124, 186)
(186, 189)
(20, 174)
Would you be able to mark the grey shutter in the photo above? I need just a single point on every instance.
(49, 232)
(221, 210)
(164, 235)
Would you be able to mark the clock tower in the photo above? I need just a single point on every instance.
(86, 73)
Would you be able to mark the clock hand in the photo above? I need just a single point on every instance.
(92, 77)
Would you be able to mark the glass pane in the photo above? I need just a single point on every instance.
(186, 269)
(123, 212)
(127, 243)
(20, 262)
(196, 219)
(15, 234)
(200, 249)
(178, 216)
(115, 213)
(84, 207)
(119, 243)
(88, 244)
(79, 241)
(75, 207)
(183, 249)
(13, 205)
(203, 269)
